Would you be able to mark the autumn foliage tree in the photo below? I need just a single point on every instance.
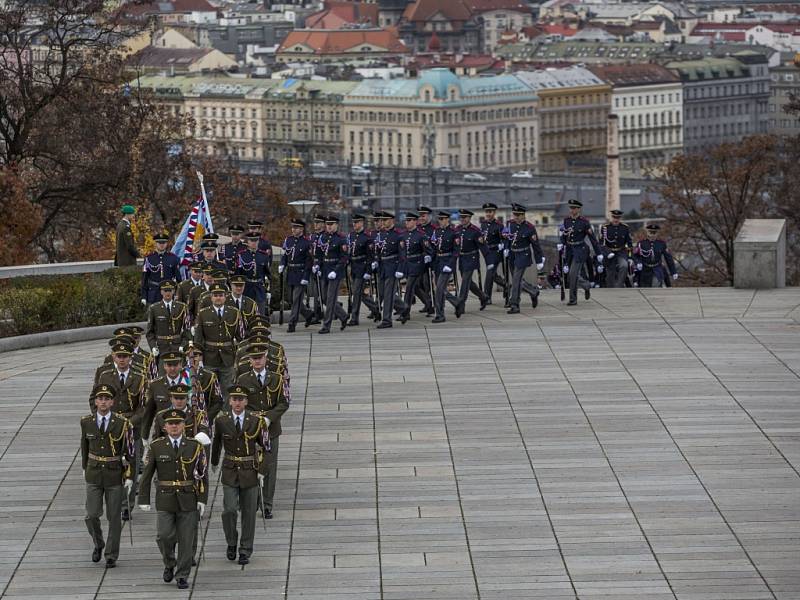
(706, 197)
(19, 222)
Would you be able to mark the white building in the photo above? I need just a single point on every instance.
(648, 99)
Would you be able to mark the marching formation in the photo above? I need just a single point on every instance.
(210, 391)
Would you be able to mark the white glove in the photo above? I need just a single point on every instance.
(600, 259)
(128, 484)
(540, 265)
(374, 266)
(332, 275)
(499, 246)
(566, 269)
(192, 330)
(269, 297)
(600, 268)
(506, 252)
(201, 508)
(489, 267)
(281, 268)
(315, 269)
(260, 479)
(214, 468)
(559, 247)
(398, 275)
(202, 438)
(180, 349)
(447, 269)
(144, 507)
(675, 276)
(611, 255)
(427, 258)
(630, 262)
(544, 260)
(155, 350)
(367, 276)
(304, 282)
(638, 266)
(144, 302)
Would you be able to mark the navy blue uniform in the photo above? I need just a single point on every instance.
(390, 244)
(492, 250)
(297, 261)
(445, 242)
(651, 254)
(425, 285)
(616, 243)
(158, 267)
(412, 264)
(332, 253)
(255, 266)
(229, 253)
(470, 239)
(362, 251)
(522, 242)
(575, 232)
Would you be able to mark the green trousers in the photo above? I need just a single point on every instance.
(95, 495)
(244, 500)
(177, 528)
(271, 475)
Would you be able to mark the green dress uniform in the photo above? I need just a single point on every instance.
(106, 457)
(246, 306)
(195, 294)
(196, 421)
(157, 399)
(217, 337)
(126, 252)
(185, 288)
(246, 448)
(276, 356)
(182, 484)
(168, 326)
(268, 397)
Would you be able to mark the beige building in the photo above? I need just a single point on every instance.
(258, 119)
(572, 118)
(441, 120)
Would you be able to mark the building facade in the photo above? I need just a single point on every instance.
(572, 114)
(784, 83)
(648, 99)
(442, 120)
(724, 99)
(257, 119)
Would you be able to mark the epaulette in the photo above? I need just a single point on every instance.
(87, 417)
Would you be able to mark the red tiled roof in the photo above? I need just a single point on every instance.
(340, 40)
(423, 10)
(553, 28)
(336, 15)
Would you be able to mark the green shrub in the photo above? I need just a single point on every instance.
(48, 303)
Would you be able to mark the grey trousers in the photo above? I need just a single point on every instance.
(467, 286)
(95, 495)
(492, 277)
(576, 277)
(442, 280)
(359, 284)
(271, 475)
(616, 271)
(518, 285)
(651, 277)
(390, 300)
(330, 288)
(423, 289)
(296, 293)
(244, 500)
(177, 528)
(412, 287)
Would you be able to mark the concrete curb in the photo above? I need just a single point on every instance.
(64, 336)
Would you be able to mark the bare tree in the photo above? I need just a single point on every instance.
(706, 197)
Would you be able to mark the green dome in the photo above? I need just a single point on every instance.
(440, 79)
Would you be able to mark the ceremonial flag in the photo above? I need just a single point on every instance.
(196, 225)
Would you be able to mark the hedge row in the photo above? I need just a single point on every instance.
(53, 302)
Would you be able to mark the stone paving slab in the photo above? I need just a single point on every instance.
(645, 444)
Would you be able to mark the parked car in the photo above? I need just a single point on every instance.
(359, 171)
(522, 175)
(319, 164)
(474, 177)
(445, 169)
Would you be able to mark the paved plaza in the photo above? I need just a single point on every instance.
(643, 445)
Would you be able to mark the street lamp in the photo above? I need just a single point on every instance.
(305, 204)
